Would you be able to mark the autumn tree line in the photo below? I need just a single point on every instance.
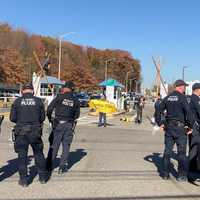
(83, 65)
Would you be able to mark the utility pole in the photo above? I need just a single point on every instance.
(159, 78)
(127, 81)
(183, 72)
(106, 67)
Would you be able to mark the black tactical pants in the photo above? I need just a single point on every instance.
(175, 135)
(63, 133)
(194, 153)
(22, 143)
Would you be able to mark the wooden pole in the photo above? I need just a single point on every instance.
(159, 75)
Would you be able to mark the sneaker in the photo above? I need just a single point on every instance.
(182, 179)
(23, 182)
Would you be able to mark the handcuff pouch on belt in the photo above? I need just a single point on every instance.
(25, 129)
(175, 123)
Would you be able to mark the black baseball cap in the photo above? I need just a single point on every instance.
(27, 86)
(69, 84)
(196, 86)
(180, 83)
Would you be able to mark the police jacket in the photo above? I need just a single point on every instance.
(157, 104)
(177, 109)
(195, 107)
(66, 106)
(27, 110)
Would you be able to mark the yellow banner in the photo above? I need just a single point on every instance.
(102, 106)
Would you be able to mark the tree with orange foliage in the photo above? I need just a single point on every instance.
(11, 67)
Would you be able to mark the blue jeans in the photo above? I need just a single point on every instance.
(102, 119)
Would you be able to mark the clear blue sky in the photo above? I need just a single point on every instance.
(145, 28)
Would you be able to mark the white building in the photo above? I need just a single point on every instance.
(46, 87)
(164, 90)
(113, 92)
(189, 88)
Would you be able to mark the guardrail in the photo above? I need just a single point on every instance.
(6, 102)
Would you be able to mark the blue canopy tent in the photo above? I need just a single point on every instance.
(111, 82)
(113, 92)
(51, 80)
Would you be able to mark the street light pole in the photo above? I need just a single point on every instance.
(132, 79)
(127, 82)
(183, 72)
(59, 64)
(106, 67)
(60, 51)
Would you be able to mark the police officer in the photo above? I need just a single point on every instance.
(29, 114)
(67, 111)
(194, 138)
(158, 101)
(102, 115)
(177, 114)
(139, 105)
(1, 120)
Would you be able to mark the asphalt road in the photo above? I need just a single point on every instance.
(121, 161)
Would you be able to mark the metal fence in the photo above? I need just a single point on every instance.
(6, 102)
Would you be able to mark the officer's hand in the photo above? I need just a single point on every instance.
(162, 127)
(189, 131)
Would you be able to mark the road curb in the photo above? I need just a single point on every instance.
(109, 115)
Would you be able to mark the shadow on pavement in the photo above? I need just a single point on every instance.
(157, 160)
(107, 124)
(11, 168)
(76, 156)
(12, 165)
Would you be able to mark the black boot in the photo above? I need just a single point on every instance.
(44, 177)
(23, 181)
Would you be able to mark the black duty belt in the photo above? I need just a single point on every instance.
(63, 121)
(175, 123)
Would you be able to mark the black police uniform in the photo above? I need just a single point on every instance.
(177, 115)
(28, 113)
(67, 110)
(194, 138)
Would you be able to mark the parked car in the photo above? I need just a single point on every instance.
(95, 96)
(83, 99)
